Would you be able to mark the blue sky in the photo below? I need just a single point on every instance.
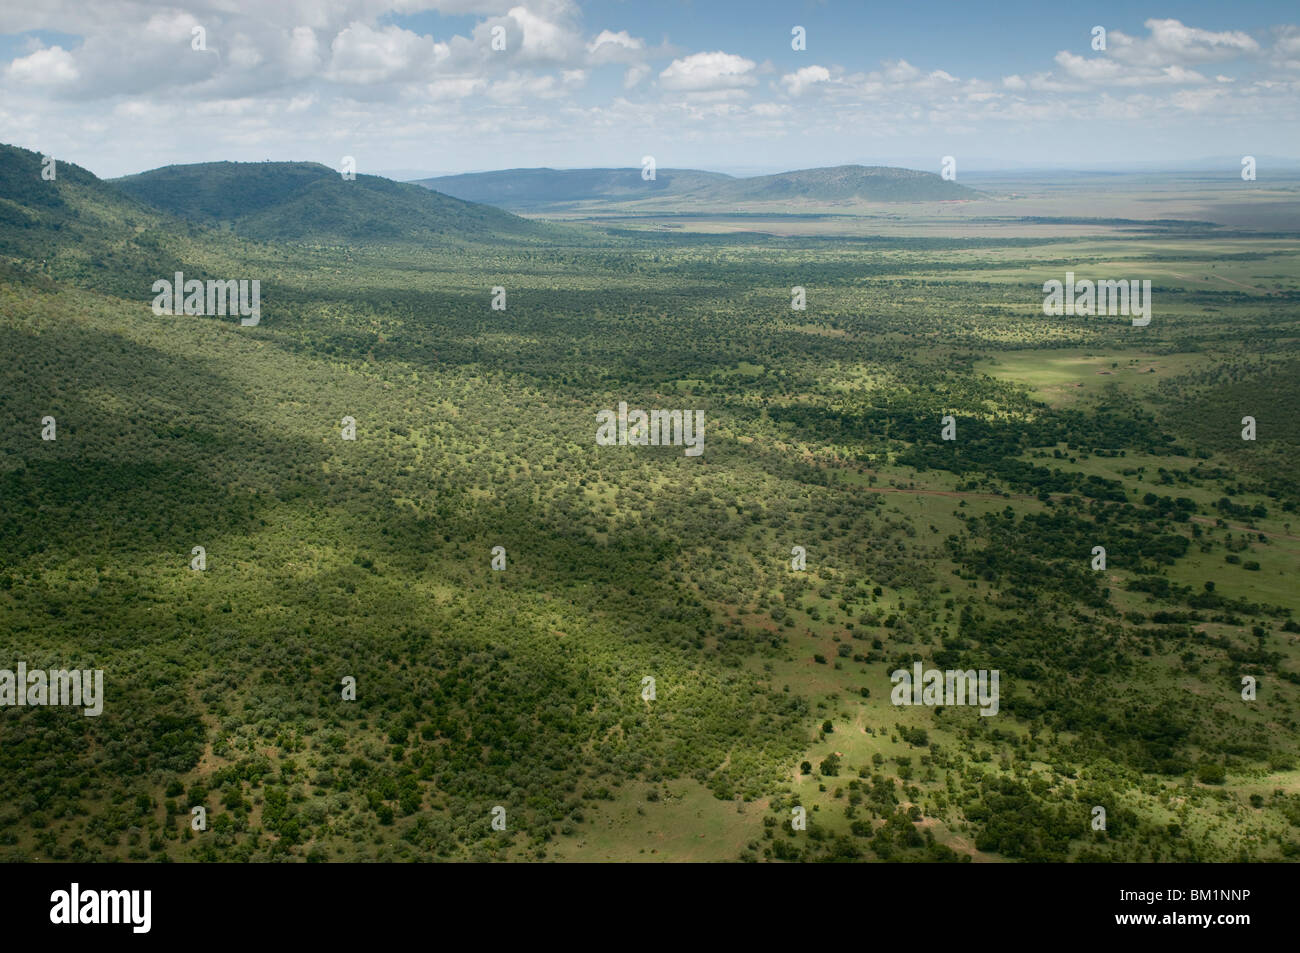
(117, 86)
(956, 35)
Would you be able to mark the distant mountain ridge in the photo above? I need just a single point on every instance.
(297, 201)
(120, 235)
(529, 188)
(539, 189)
(842, 182)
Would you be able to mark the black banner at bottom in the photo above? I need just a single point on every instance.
(143, 903)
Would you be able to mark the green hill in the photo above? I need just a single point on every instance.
(847, 182)
(554, 189)
(540, 188)
(306, 201)
(79, 228)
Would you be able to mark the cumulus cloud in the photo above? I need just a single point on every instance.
(1098, 69)
(544, 40)
(610, 47)
(362, 54)
(1164, 57)
(708, 72)
(1170, 42)
(1285, 51)
(132, 47)
(800, 81)
(48, 67)
(303, 56)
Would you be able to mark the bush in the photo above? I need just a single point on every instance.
(1209, 772)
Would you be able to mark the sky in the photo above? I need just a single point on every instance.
(412, 87)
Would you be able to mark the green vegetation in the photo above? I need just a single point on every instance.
(298, 201)
(371, 559)
(535, 189)
(551, 190)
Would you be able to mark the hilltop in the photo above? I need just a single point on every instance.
(78, 227)
(555, 189)
(845, 182)
(536, 188)
(119, 235)
(307, 201)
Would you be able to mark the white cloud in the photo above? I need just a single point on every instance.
(611, 47)
(1285, 51)
(364, 55)
(1198, 100)
(544, 40)
(1170, 42)
(899, 71)
(453, 88)
(49, 67)
(303, 55)
(707, 72)
(635, 75)
(1102, 70)
(520, 86)
(800, 81)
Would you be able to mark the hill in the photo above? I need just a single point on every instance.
(306, 201)
(77, 227)
(539, 188)
(554, 189)
(846, 182)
